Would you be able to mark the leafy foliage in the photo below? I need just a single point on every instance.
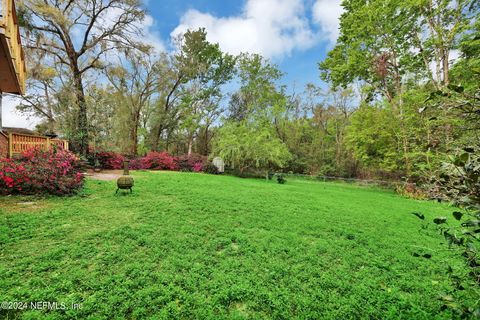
(460, 182)
(246, 147)
(41, 172)
(248, 139)
(192, 162)
(107, 159)
(210, 168)
(281, 178)
(159, 161)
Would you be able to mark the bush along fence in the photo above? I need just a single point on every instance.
(153, 161)
(13, 144)
(39, 171)
(407, 189)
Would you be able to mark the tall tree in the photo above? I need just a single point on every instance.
(193, 77)
(386, 45)
(252, 139)
(135, 81)
(77, 35)
(437, 32)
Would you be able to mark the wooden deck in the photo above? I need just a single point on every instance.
(12, 60)
(18, 143)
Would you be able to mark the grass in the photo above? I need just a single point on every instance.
(199, 246)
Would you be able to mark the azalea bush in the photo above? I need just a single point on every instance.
(152, 161)
(194, 162)
(158, 161)
(41, 172)
(107, 159)
(136, 164)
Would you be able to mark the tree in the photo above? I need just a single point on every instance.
(248, 147)
(101, 26)
(134, 80)
(193, 77)
(389, 46)
(437, 32)
(253, 140)
(315, 129)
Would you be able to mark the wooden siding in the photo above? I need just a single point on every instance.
(3, 145)
(12, 60)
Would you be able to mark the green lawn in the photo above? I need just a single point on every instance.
(197, 246)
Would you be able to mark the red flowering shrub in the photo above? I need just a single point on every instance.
(108, 159)
(136, 164)
(193, 162)
(164, 161)
(12, 176)
(37, 171)
(197, 167)
(158, 161)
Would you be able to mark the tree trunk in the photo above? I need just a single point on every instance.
(446, 67)
(133, 136)
(206, 141)
(134, 132)
(156, 137)
(81, 138)
(190, 145)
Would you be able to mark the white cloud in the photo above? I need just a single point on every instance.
(326, 13)
(151, 36)
(12, 118)
(272, 28)
(146, 26)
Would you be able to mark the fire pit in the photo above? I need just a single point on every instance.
(126, 180)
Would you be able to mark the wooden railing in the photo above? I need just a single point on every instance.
(10, 29)
(17, 143)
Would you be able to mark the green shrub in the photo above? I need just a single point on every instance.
(210, 168)
(281, 178)
(459, 182)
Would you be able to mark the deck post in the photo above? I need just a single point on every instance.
(1, 98)
(10, 145)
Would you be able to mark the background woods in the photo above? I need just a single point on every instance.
(401, 90)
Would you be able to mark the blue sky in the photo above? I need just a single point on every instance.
(294, 34)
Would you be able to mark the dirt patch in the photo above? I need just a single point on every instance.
(105, 175)
(16, 205)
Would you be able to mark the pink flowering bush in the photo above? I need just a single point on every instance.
(197, 167)
(159, 161)
(164, 161)
(40, 172)
(108, 159)
(194, 162)
(136, 164)
(13, 176)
